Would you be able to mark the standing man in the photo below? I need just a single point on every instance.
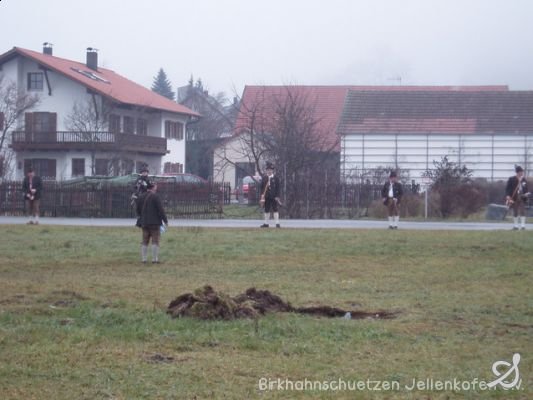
(32, 187)
(151, 218)
(141, 185)
(392, 194)
(270, 195)
(516, 195)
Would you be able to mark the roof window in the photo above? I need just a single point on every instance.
(91, 75)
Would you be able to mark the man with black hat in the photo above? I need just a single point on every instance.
(392, 194)
(32, 187)
(270, 195)
(151, 218)
(516, 195)
(141, 184)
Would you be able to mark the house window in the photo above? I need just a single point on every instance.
(173, 130)
(128, 125)
(2, 162)
(101, 166)
(44, 122)
(1, 121)
(35, 81)
(173, 168)
(78, 167)
(114, 123)
(43, 167)
(142, 126)
(127, 166)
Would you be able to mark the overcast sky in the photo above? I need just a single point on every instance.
(232, 43)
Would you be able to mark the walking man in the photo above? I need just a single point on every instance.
(32, 187)
(270, 195)
(516, 195)
(151, 218)
(392, 194)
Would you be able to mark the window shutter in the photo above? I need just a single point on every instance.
(53, 122)
(28, 122)
(1, 121)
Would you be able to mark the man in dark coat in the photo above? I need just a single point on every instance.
(516, 194)
(32, 187)
(151, 218)
(392, 193)
(270, 195)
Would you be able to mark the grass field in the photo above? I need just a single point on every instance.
(82, 318)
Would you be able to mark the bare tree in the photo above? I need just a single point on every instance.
(13, 104)
(285, 128)
(88, 122)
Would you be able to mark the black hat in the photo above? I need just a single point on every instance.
(144, 169)
(30, 170)
(392, 174)
(518, 168)
(269, 165)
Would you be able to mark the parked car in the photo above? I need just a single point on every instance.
(181, 178)
(165, 178)
(242, 191)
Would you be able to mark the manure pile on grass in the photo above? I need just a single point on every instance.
(207, 304)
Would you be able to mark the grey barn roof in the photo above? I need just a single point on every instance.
(422, 112)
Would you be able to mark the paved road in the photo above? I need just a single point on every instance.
(297, 223)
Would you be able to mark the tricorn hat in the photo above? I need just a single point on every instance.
(269, 165)
(392, 174)
(518, 168)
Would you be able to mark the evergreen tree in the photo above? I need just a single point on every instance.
(162, 85)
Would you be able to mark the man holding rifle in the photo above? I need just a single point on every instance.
(516, 197)
(270, 195)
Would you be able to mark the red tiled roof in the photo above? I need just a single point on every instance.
(488, 112)
(326, 101)
(113, 85)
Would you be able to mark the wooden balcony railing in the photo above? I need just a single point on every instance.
(102, 141)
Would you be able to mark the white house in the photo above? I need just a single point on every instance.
(90, 120)
(487, 130)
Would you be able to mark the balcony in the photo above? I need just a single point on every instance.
(98, 141)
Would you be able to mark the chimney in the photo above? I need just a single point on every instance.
(92, 58)
(47, 48)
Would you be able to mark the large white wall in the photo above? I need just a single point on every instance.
(489, 156)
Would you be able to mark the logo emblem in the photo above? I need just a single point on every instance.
(502, 377)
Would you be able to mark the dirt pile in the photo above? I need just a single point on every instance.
(206, 303)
